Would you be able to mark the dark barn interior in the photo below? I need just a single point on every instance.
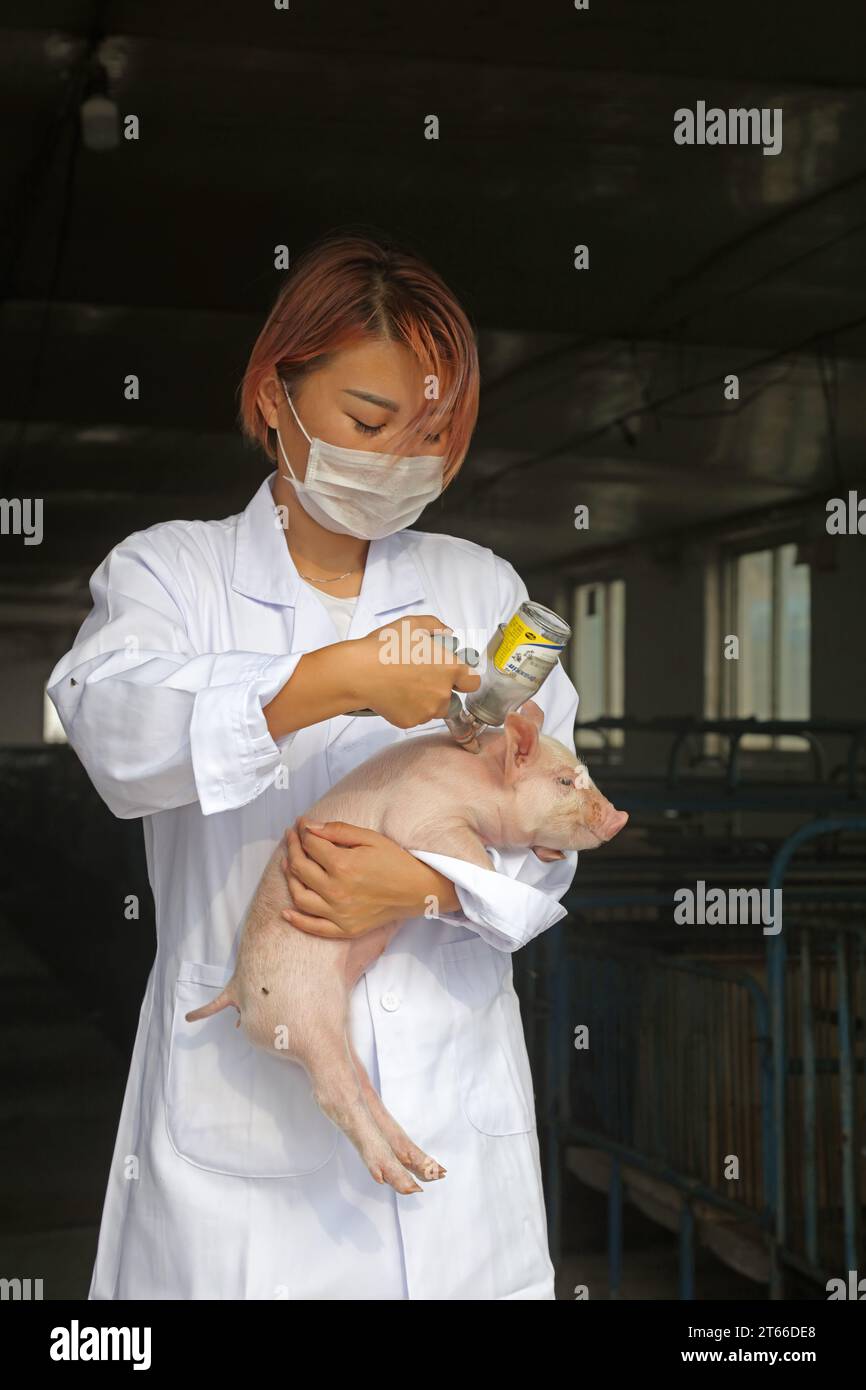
(606, 386)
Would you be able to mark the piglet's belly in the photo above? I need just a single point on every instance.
(292, 988)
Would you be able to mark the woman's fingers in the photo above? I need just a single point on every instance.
(321, 840)
(304, 866)
(304, 894)
(316, 926)
(337, 832)
(306, 900)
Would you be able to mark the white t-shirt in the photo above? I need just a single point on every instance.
(340, 609)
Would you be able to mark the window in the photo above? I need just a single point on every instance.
(52, 729)
(598, 658)
(764, 601)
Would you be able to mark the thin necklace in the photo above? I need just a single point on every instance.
(314, 579)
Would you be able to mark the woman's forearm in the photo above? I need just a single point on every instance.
(442, 889)
(328, 682)
(321, 686)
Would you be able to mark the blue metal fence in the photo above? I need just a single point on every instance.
(690, 1064)
(832, 954)
(660, 1086)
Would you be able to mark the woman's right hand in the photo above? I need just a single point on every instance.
(406, 676)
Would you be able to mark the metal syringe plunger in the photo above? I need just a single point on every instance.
(463, 726)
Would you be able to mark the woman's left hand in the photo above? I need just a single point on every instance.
(346, 880)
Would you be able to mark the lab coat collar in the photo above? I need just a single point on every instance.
(264, 569)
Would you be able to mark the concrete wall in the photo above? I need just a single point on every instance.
(839, 631)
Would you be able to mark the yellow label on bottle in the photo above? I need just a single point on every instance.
(518, 640)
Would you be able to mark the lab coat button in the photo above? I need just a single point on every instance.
(390, 1002)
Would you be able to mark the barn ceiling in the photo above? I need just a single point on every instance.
(601, 387)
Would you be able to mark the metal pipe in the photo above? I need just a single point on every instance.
(846, 1105)
(810, 1143)
(776, 956)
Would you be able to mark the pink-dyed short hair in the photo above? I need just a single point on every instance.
(346, 287)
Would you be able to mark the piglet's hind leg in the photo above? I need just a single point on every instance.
(409, 1154)
(338, 1093)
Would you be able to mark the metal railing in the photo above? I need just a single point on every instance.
(679, 1050)
(659, 1087)
(831, 992)
(842, 785)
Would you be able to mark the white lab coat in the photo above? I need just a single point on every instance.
(227, 1181)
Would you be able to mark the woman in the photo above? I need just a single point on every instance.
(211, 692)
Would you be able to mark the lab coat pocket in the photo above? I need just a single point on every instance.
(230, 1107)
(492, 1066)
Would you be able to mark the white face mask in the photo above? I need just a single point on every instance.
(360, 493)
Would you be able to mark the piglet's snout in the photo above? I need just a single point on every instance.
(599, 816)
(612, 823)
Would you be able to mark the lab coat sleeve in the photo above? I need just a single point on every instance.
(510, 906)
(156, 723)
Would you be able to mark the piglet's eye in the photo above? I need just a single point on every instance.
(565, 781)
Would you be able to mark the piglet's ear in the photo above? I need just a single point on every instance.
(530, 710)
(521, 744)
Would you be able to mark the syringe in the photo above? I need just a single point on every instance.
(520, 656)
